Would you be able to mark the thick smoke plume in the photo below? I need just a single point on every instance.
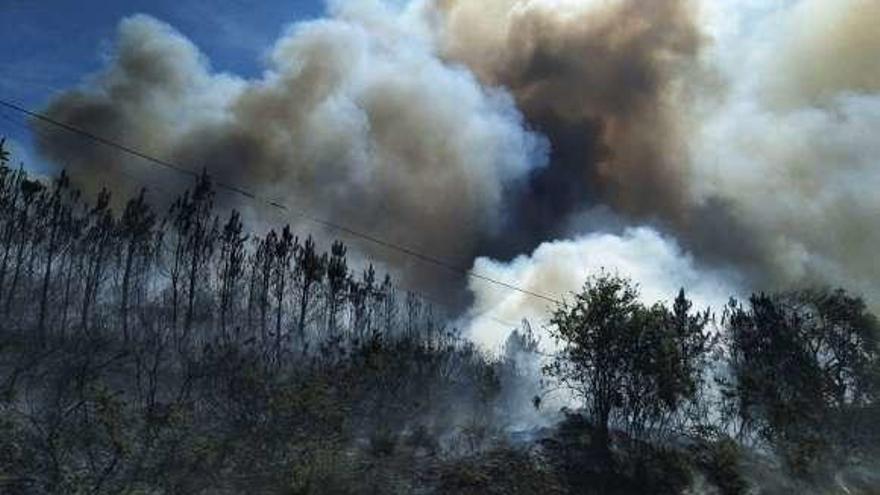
(737, 140)
(790, 144)
(600, 79)
(357, 122)
(753, 145)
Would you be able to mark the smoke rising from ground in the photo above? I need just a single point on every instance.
(561, 268)
(737, 140)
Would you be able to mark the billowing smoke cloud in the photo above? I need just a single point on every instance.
(791, 143)
(740, 136)
(601, 79)
(356, 120)
(560, 268)
(754, 143)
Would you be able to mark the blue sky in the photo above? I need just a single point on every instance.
(49, 45)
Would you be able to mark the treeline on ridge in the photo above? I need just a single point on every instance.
(796, 374)
(174, 352)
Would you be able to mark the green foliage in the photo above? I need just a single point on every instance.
(632, 365)
(801, 367)
(720, 460)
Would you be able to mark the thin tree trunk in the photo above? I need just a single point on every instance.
(126, 277)
(279, 296)
(19, 260)
(6, 250)
(65, 305)
(47, 273)
(191, 294)
(303, 306)
(44, 295)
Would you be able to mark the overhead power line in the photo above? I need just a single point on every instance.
(299, 212)
(422, 296)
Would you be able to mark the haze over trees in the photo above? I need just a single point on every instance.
(146, 351)
(804, 373)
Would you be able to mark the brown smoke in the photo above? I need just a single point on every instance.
(609, 69)
(781, 157)
(830, 47)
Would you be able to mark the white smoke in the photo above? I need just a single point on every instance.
(559, 268)
(790, 139)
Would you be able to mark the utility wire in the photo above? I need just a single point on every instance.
(275, 204)
(419, 294)
(425, 258)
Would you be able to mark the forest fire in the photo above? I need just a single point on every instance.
(446, 246)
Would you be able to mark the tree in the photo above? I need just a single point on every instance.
(98, 242)
(337, 277)
(687, 369)
(4, 153)
(801, 366)
(135, 233)
(232, 263)
(632, 366)
(262, 268)
(10, 198)
(25, 209)
(285, 249)
(310, 269)
(72, 233)
(58, 213)
(386, 297)
(202, 239)
(195, 229)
